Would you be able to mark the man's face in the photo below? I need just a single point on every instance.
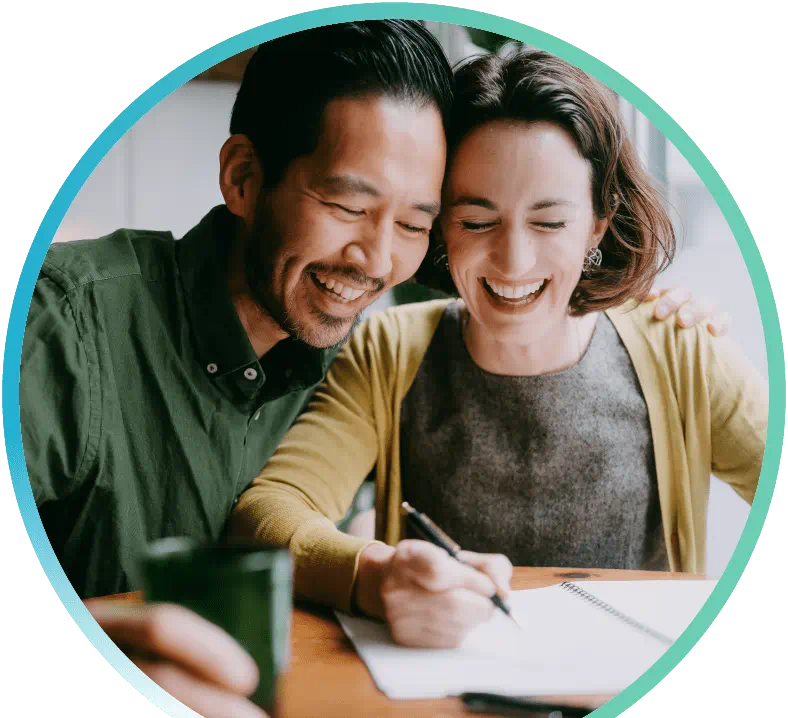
(350, 220)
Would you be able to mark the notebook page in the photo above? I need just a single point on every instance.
(665, 606)
(568, 646)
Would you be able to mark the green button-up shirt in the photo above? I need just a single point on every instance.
(145, 410)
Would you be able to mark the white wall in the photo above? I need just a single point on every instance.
(163, 174)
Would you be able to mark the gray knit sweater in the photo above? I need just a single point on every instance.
(551, 470)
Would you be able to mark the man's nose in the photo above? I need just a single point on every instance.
(372, 252)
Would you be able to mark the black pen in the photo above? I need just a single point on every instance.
(425, 527)
(491, 703)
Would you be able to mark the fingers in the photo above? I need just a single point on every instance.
(670, 301)
(177, 635)
(718, 325)
(429, 620)
(655, 293)
(696, 311)
(495, 565)
(208, 700)
(433, 600)
(689, 311)
(432, 569)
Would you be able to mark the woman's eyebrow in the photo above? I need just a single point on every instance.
(474, 201)
(546, 203)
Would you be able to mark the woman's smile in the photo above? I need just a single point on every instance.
(509, 297)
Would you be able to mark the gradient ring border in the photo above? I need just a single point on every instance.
(375, 11)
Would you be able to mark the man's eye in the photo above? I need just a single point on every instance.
(476, 226)
(413, 229)
(550, 225)
(348, 210)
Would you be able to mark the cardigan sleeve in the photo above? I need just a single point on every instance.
(309, 483)
(739, 408)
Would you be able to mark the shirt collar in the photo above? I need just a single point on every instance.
(224, 349)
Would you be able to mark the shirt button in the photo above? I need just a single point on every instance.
(250, 374)
(212, 368)
(257, 415)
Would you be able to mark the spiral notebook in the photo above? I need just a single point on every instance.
(589, 637)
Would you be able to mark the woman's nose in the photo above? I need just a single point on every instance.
(515, 253)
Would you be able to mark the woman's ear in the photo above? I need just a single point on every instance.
(240, 176)
(598, 231)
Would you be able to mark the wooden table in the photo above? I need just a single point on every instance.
(326, 677)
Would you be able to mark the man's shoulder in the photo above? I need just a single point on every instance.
(124, 253)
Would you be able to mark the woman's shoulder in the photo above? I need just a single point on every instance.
(396, 339)
(635, 322)
(410, 323)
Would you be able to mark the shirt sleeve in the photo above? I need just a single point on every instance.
(739, 409)
(309, 483)
(56, 396)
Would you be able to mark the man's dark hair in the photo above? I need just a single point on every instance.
(289, 81)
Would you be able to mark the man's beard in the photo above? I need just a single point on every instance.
(258, 268)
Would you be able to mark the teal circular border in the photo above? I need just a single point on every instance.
(375, 11)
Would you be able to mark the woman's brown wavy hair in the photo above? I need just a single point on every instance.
(530, 85)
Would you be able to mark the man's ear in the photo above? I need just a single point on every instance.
(240, 176)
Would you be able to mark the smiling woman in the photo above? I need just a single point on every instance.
(545, 416)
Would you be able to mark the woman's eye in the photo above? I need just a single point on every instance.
(550, 225)
(476, 226)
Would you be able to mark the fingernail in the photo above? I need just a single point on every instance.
(661, 311)
(685, 315)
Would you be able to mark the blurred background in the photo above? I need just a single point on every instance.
(163, 175)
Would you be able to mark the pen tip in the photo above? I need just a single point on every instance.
(516, 622)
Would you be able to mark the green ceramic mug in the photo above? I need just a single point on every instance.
(246, 590)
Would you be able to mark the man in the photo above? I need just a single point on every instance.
(159, 375)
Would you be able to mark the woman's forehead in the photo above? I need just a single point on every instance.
(509, 158)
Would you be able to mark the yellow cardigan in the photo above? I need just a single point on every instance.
(707, 408)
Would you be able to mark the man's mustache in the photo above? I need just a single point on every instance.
(352, 274)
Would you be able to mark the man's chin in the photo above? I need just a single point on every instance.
(324, 331)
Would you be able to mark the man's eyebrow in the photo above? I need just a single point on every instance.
(474, 201)
(349, 184)
(546, 203)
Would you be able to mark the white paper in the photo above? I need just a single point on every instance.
(567, 645)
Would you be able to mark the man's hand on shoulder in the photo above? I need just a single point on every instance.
(690, 311)
(190, 658)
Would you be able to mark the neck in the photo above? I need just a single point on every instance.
(263, 332)
(527, 353)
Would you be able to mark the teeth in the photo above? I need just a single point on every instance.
(339, 289)
(509, 292)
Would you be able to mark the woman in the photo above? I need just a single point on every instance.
(545, 416)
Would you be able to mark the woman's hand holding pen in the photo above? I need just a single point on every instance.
(429, 599)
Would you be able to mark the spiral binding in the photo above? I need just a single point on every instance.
(599, 603)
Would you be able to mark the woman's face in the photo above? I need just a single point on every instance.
(518, 222)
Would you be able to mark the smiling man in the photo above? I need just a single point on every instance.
(159, 375)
